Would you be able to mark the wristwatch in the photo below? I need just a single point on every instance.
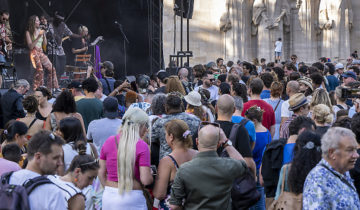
(227, 143)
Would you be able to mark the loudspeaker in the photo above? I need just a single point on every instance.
(184, 8)
(23, 67)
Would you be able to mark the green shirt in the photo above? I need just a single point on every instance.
(90, 109)
(206, 181)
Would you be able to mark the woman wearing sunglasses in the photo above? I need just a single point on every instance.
(178, 137)
(82, 172)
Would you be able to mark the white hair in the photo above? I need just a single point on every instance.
(239, 104)
(133, 119)
(332, 138)
(21, 83)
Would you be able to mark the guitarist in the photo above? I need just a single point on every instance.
(58, 31)
(35, 39)
(80, 45)
(5, 34)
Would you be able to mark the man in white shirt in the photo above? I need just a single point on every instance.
(208, 85)
(292, 88)
(44, 156)
(278, 50)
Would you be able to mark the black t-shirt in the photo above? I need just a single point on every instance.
(77, 43)
(355, 174)
(160, 90)
(242, 143)
(321, 130)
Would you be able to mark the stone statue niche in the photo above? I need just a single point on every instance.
(335, 22)
(270, 21)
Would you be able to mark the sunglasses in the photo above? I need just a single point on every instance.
(90, 163)
(205, 123)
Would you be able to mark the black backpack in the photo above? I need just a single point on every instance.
(16, 196)
(243, 193)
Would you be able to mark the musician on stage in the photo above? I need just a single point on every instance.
(80, 46)
(35, 39)
(5, 35)
(58, 31)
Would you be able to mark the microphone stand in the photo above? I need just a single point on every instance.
(125, 40)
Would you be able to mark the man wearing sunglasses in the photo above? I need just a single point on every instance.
(205, 182)
(207, 84)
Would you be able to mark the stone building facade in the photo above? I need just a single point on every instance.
(248, 29)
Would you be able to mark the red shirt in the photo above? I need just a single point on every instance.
(268, 115)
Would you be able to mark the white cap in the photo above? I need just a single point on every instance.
(339, 66)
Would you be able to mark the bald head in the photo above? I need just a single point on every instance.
(225, 105)
(208, 138)
(183, 73)
(292, 87)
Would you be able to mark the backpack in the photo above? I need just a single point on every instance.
(16, 196)
(243, 193)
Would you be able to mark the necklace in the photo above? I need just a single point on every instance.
(30, 115)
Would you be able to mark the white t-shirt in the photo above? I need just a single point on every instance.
(44, 197)
(278, 46)
(69, 190)
(70, 153)
(285, 112)
(214, 92)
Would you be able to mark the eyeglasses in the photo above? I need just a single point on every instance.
(293, 58)
(96, 161)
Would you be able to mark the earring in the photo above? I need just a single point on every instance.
(75, 180)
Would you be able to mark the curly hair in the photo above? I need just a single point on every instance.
(45, 92)
(355, 126)
(254, 113)
(343, 121)
(30, 104)
(305, 159)
(240, 90)
(158, 104)
(224, 88)
(299, 123)
(279, 72)
(322, 114)
(276, 89)
(65, 102)
(267, 78)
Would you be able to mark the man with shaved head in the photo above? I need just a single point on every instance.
(206, 181)
(292, 88)
(225, 107)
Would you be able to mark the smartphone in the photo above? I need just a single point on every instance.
(154, 170)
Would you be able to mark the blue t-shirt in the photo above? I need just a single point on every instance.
(288, 153)
(250, 127)
(262, 139)
(333, 82)
(107, 89)
(265, 94)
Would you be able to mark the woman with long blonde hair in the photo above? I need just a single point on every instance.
(125, 170)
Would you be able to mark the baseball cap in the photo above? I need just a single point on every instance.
(74, 84)
(107, 65)
(110, 105)
(339, 66)
(212, 65)
(349, 74)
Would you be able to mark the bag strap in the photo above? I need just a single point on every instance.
(31, 184)
(93, 151)
(5, 178)
(32, 123)
(116, 142)
(283, 178)
(234, 131)
(174, 161)
(277, 104)
(243, 122)
(108, 85)
(337, 175)
(339, 106)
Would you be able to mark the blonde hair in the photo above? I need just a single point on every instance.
(320, 96)
(82, 29)
(322, 114)
(133, 119)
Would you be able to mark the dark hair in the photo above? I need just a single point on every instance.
(317, 78)
(355, 69)
(84, 162)
(42, 142)
(290, 66)
(304, 160)
(254, 113)
(11, 152)
(30, 104)
(256, 86)
(230, 63)
(262, 60)
(205, 99)
(14, 127)
(319, 66)
(233, 79)
(72, 131)
(303, 69)
(240, 90)
(4, 12)
(65, 103)
(222, 77)
(173, 102)
(45, 92)
(279, 72)
(178, 128)
(312, 70)
(267, 78)
(299, 123)
(344, 122)
(248, 66)
(109, 73)
(294, 76)
(219, 59)
(90, 85)
(224, 88)
(331, 68)
(355, 126)
(323, 59)
(199, 70)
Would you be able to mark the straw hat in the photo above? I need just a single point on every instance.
(193, 98)
(296, 101)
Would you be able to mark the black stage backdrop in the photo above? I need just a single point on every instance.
(99, 16)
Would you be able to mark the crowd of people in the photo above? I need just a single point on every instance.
(215, 136)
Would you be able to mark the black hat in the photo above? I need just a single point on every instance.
(108, 65)
(110, 105)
